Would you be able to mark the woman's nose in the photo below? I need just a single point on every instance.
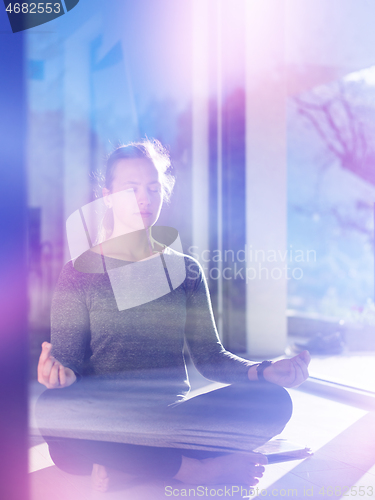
(143, 197)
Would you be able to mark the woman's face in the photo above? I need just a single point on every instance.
(136, 195)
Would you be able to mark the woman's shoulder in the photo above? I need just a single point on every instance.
(186, 267)
(78, 272)
(188, 260)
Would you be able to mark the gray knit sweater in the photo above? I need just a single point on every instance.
(92, 337)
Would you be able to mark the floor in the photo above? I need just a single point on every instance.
(341, 436)
(355, 369)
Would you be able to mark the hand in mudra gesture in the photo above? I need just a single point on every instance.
(51, 372)
(289, 372)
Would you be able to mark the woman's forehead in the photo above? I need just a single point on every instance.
(135, 169)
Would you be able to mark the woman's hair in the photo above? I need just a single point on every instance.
(150, 149)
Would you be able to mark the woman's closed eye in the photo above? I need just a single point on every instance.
(153, 189)
(127, 187)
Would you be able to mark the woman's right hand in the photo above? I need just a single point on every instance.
(51, 372)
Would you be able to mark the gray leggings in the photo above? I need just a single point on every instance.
(239, 417)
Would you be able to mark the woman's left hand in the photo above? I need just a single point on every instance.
(289, 372)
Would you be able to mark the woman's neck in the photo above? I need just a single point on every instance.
(134, 246)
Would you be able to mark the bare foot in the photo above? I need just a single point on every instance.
(234, 468)
(102, 478)
(99, 478)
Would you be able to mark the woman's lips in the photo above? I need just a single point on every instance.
(144, 214)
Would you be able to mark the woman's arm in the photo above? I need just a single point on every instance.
(207, 353)
(70, 322)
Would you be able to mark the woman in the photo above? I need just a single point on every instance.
(112, 348)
